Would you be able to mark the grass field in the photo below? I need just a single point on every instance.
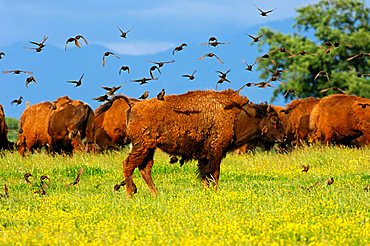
(263, 198)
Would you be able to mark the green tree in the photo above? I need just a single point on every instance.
(341, 31)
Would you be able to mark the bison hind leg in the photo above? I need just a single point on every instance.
(209, 171)
(146, 171)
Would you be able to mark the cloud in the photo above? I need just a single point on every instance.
(138, 48)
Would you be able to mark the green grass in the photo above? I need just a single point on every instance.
(262, 199)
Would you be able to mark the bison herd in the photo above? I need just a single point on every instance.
(199, 125)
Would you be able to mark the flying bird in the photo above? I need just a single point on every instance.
(248, 67)
(264, 13)
(255, 39)
(102, 98)
(39, 45)
(108, 53)
(161, 94)
(111, 90)
(222, 77)
(2, 54)
(357, 56)
(17, 101)
(282, 50)
(16, 71)
(29, 80)
(301, 53)
(322, 73)
(211, 55)
(334, 88)
(124, 68)
(212, 41)
(190, 76)
(179, 48)
(77, 82)
(161, 63)
(124, 33)
(144, 95)
(152, 69)
(75, 39)
(143, 80)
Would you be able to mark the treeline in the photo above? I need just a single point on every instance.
(13, 126)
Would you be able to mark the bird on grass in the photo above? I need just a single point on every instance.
(144, 95)
(26, 177)
(124, 33)
(30, 80)
(189, 76)
(17, 101)
(211, 55)
(108, 53)
(77, 82)
(179, 48)
(161, 94)
(6, 192)
(265, 13)
(305, 168)
(77, 180)
(330, 181)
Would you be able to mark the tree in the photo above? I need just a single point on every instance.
(337, 56)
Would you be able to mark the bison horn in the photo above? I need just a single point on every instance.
(269, 108)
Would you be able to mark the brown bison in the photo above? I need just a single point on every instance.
(341, 119)
(57, 126)
(70, 123)
(4, 143)
(201, 125)
(33, 127)
(296, 120)
(110, 123)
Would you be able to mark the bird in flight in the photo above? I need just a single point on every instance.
(264, 13)
(39, 46)
(143, 80)
(111, 90)
(124, 68)
(211, 55)
(77, 82)
(190, 76)
(254, 39)
(17, 101)
(161, 63)
(222, 77)
(2, 54)
(179, 48)
(108, 53)
(29, 80)
(16, 71)
(101, 98)
(75, 39)
(124, 33)
(248, 67)
(152, 69)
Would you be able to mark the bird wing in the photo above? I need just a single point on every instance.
(218, 59)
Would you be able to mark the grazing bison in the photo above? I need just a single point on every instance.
(4, 143)
(341, 119)
(110, 123)
(201, 125)
(69, 124)
(296, 120)
(33, 130)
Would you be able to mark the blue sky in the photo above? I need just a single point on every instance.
(159, 26)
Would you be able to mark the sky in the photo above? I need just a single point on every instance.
(158, 26)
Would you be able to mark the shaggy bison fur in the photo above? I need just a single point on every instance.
(341, 119)
(4, 143)
(201, 125)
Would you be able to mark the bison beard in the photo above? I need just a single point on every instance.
(201, 125)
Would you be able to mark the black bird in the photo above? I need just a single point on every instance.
(179, 48)
(248, 67)
(262, 84)
(111, 90)
(17, 101)
(211, 55)
(264, 13)
(124, 68)
(190, 76)
(29, 80)
(2, 54)
(255, 39)
(77, 82)
(102, 98)
(161, 94)
(152, 69)
(222, 77)
(212, 41)
(16, 71)
(282, 50)
(124, 33)
(39, 46)
(42, 179)
(144, 95)
(161, 64)
(77, 180)
(143, 80)
(75, 39)
(265, 56)
(108, 53)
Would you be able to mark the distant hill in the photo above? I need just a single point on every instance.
(54, 66)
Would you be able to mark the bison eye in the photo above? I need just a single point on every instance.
(274, 119)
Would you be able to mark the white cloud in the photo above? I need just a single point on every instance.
(138, 48)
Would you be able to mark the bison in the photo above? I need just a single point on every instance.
(341, 119)
(110, 123)
(58, 126)
(4, 143)
(69, 124)
(201, 125)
